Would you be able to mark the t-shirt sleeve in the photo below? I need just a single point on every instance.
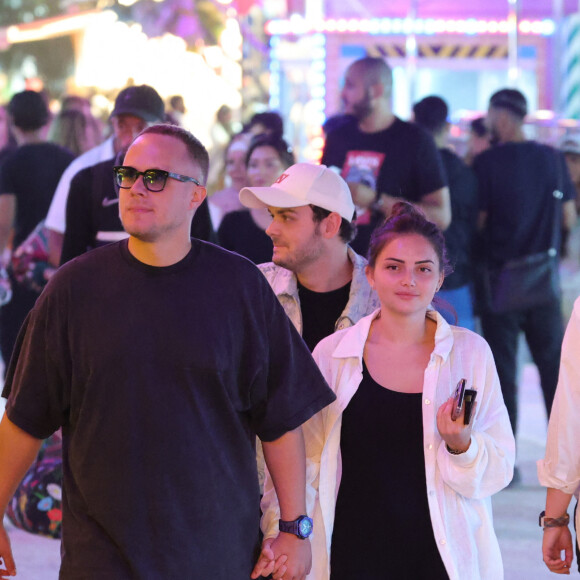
(34, 386)
(290, 388)
(6, 181)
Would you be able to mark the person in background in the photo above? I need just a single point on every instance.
(28, 178)
(381, 157)
(387, 457)
(75, 130)
(478, 140)
(198, 334)
(243, 231)
(236, 176)
(516, 183)
(431, 114)
(176, 110)
(266, 123)
(135, 108)
(559, 471)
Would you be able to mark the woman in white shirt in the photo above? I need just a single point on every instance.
(395, 487)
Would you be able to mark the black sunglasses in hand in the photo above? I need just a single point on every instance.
(153, 179)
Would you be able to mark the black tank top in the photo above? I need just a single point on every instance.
(382, 526)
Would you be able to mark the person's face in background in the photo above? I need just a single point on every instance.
(264, 167)
(356, 95)
(236, 165)
(477, 144)
(573, 163)
(126, 128)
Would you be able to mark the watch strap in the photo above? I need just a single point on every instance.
(553, 522)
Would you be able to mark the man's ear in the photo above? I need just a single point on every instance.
(331, 225)
(199, 193)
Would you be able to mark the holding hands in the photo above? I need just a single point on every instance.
(286, 557)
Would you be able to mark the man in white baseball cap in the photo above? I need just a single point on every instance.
(319, 280)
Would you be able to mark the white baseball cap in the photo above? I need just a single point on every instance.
(303, 184)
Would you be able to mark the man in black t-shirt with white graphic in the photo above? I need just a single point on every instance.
(381, 157)
(517, 179)
(319, 280)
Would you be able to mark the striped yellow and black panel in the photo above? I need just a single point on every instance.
(476, 51)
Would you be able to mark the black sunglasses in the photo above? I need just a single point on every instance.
(153, 179)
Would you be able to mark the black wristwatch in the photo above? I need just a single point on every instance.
(301, 527)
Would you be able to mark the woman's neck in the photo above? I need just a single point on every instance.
(403, 329)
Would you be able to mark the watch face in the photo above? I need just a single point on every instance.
(305, 527)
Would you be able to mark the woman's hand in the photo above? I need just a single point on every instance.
(456, 435)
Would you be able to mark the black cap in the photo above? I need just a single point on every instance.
(142, 101)
(28, 110)
(510, 99)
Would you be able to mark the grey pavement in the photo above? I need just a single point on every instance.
(516, 509)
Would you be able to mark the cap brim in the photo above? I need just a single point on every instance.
(257, 197)
(145, 115)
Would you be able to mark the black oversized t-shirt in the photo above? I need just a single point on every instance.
(516, 183)
(160, 378)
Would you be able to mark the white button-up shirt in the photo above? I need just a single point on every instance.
(459, 487)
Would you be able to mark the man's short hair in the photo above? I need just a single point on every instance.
(375, 71)
(28, 110)
(347, 230)
(431, 114)
(196, 150)
(510, 100)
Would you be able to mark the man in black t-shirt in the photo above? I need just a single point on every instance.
(431, 114)
(28, 178)
(162, 357)
(381, 157)
(319, 280)
(517, 179)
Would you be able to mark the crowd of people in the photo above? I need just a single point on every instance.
(342, 379)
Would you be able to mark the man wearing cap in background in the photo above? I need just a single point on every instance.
(517, 179)
(135, 108)
(319, 280)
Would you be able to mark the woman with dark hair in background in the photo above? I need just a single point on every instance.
(244, 231)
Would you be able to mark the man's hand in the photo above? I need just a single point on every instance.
(556, 540)
(362, 195)
(267, 563)
(6, 555)
(455, 434)
(298, 562)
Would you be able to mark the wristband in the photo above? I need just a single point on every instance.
(454, 451)
(560, 522)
